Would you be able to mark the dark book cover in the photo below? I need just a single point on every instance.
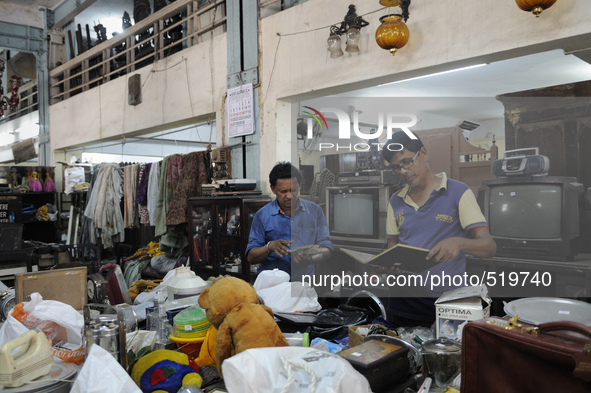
(406, 258)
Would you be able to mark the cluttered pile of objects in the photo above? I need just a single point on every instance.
(184, 334)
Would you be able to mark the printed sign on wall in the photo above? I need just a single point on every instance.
(240, 110)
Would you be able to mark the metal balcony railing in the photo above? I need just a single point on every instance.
(176, 27)
(28, 102)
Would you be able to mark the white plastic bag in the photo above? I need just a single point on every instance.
(276, 292)
(61, 313)
(72, 176)
(140, 339)
(291, 370)
(270, 278)
(290, 297)
(45, 310)
(101, 373)
(11, 329)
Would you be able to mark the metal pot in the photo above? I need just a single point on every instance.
(441, 360)
(105, 335)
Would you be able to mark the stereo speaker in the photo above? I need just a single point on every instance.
(522, 165)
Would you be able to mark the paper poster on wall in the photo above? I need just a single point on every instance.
(240, 110)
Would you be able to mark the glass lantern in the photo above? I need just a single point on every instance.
(334, 46)
(353, 36)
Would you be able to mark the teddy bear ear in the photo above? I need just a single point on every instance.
(204, 299)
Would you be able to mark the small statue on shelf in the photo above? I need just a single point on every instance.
(28, 172)
(49, 185)
(34, 183)
(14, 175)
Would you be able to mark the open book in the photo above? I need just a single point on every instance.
(406, 258)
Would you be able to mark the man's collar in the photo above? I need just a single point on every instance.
(443, 183)
(277, 209)
(404, 192)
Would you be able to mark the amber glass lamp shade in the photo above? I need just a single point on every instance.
(390, 3)
(353, 36)
(393, 33)
(535, 6)
(334, 46)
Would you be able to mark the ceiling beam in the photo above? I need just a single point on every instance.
(20, 37)
(67, 10)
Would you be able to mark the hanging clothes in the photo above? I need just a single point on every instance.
(87, 230)
(104, 206)
(153, 190)
(174, 168)
(142, 194)
(161, 204)
(195, 171)
(130, 184)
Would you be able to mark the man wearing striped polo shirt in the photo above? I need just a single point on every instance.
(435, 213)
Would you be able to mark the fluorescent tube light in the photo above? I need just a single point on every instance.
(437, 73)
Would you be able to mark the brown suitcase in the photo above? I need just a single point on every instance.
(506, 356)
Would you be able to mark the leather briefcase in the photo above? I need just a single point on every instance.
(507, 356)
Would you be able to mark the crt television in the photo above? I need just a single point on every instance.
(533, 217)
(356, 216)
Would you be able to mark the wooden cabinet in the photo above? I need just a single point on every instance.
(451, 153)
(219, 229)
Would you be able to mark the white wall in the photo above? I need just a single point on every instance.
(8, 137)
(102, 113)
(444, 35)
(21, 15)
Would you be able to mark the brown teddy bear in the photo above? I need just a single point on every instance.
(232, 306)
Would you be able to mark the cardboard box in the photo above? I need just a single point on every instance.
(356, 338)
(44, 260)
(458, 306)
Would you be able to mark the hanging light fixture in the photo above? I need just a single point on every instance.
(393, 33)
(334, 45)
(5, 101)
(353, 35)
(535, 6)
(390, 3)
(351, 26)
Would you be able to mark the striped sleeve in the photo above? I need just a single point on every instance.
(391, 226)
(469, 211)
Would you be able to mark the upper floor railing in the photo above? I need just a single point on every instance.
(177, 26)
(28, 102)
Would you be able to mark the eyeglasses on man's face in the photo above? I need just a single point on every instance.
(406, 164)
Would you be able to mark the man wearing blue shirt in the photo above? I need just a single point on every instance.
(287, 223)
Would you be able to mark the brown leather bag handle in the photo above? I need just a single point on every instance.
(566, 325)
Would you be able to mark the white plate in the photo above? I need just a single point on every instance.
(537, 310)
(59, 370)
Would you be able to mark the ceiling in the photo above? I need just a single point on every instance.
(51, 4)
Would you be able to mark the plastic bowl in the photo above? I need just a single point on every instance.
(188, 346)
